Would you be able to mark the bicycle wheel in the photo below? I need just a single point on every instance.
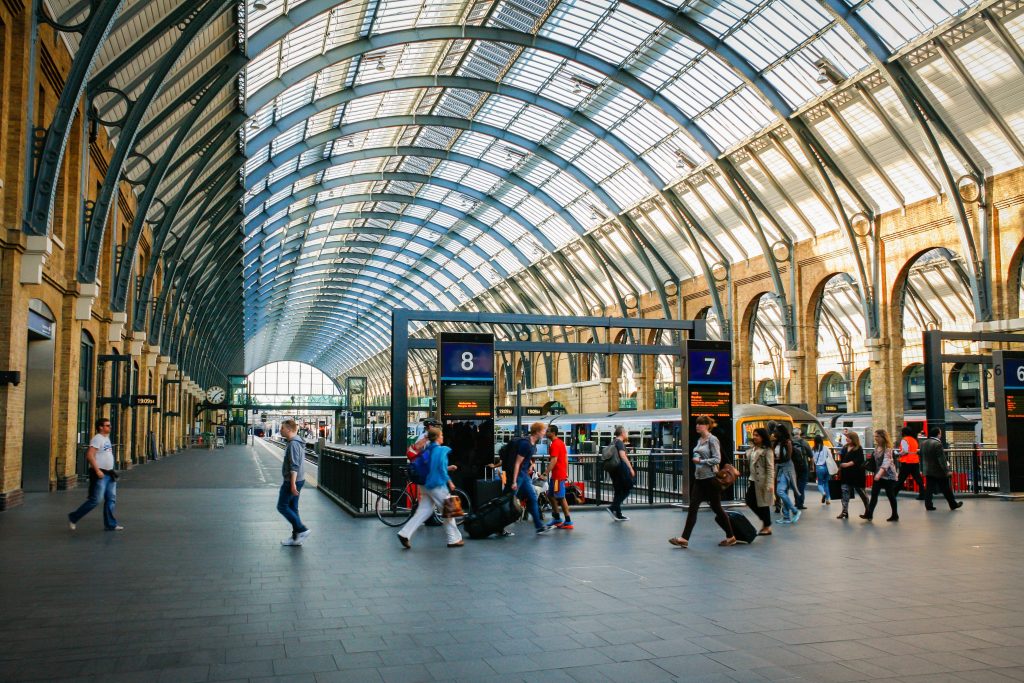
(466, 508)
(395, 507)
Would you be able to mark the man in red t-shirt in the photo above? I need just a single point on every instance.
(558, 475)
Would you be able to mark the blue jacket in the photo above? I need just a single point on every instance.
(437, 476)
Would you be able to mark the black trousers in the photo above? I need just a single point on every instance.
(910, 470)
(939, 485)
(706, 490)
(622, 484)
(890, 491)
(763, 513)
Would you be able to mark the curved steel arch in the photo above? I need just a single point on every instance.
(217, 178)
(540, 150)
(89, 258)
(609, 70)
(400, 277)
(119, 292)
(921, 111)
(280, 157)
(443, 155)
(459, 215)
(383, 41)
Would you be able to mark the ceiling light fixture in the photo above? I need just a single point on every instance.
(828, 74)
(259, 5)
(684, 162)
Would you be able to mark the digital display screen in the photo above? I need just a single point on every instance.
(715, 403)
(1015, 405)
(462, 361)
(468, 400)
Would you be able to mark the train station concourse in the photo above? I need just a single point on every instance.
(472, 340)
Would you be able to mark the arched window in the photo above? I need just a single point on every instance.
(913, 387)
(86, 376)
(966, 382)
(864, 392)
(833, 392)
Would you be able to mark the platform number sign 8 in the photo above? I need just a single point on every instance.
(467, 361)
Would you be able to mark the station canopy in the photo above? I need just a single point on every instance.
(560, 157)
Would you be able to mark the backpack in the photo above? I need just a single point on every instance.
(508, 453)
(610, 459)
(419, 467)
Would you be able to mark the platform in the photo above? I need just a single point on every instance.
(197, 588)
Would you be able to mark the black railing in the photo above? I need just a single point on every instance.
(356, 480)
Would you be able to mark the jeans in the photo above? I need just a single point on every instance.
(763, 513)
(801, 484)
(288, 506)
(821, 475)
(622, 483)
(430, 499)
(526, 490)
(848, 491)
(105, 488)
(785, 482)
(890, 491)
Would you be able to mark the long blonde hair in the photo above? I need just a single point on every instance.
(882, 439)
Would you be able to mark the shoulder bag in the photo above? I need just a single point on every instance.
(726, 476)
(610, 459)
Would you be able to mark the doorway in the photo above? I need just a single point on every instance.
(35, 450)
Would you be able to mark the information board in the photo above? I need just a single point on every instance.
(1008, 368)
(709, 390)
(465, 402)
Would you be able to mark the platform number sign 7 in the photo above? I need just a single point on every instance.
(710, 366)
(710, 360)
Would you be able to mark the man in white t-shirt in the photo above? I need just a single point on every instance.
(102, 479)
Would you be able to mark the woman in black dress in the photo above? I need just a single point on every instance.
(851, 473)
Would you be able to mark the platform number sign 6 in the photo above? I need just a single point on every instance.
(467, 361)
(1020, 373)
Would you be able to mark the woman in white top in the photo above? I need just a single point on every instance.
(821, 456)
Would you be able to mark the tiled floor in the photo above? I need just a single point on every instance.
(198, 589)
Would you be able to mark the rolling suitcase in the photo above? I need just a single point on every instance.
(742, 529)
(492, 517)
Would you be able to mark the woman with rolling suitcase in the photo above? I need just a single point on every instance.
(761, 486)
(707, 454)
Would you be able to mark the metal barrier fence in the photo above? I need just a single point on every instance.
(356, 480)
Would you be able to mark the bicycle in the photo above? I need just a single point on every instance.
(395, 506)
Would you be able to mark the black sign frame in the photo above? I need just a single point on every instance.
(706, 380)
(1006, 367)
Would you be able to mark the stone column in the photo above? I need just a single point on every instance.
(13, 353)
(66, 371)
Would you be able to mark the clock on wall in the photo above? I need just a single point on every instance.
(215, 395)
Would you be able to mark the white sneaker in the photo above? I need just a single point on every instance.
(291, 541)
(303, 535)
(71, 525)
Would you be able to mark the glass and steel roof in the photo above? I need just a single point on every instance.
(577, 154)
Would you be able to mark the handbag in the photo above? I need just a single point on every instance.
(831, 466)
(726, 475)
(452, 507)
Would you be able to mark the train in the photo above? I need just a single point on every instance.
(647, 429)
(962, 426)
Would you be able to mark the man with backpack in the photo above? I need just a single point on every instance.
(520, 461)
(801, 456)
(616, 463)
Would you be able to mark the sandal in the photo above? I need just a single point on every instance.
(728, 541)
(679, 542)
(764, 532)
